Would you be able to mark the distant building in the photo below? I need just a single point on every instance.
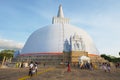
(16, 53)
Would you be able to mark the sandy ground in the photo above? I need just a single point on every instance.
(60, 74)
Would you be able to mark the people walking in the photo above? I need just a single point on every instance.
(108, 67)
(36, 67)
(31, 66)
(69, 69)
(104, 65)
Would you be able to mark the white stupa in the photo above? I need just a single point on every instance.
(58, 37)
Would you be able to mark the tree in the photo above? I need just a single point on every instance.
(106, 57)
(110, 59)
(7, 53)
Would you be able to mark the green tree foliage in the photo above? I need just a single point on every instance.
(7, 53)
(110, 58)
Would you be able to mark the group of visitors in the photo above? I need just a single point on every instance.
(33, 67)
(21, 64)
(86, 66)
(106, 67)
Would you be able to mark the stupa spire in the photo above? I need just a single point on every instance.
(60, 19)
(60, 12)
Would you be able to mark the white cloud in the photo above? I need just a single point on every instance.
(10, 44)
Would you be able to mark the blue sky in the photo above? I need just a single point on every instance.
(99, 18)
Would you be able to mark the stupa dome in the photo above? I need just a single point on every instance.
(58, 37)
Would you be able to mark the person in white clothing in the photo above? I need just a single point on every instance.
(36, 67)
(104, 65)
(31, 68)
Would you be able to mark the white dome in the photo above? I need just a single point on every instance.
(59, 37)
(49, 39)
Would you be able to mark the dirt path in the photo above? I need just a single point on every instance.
(60, 74)
(12, 73)
(77, 74)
